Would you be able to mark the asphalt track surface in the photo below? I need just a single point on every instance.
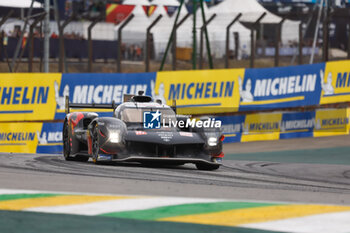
(314, 170)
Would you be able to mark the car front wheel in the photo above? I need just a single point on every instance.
(67, 146)
(66, 142)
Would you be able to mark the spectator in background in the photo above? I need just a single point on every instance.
(36, 33)
(138, 52)
(4, 38)
(54, 36)
(17, 32)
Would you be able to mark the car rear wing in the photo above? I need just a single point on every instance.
(126, 98)
(68, 105)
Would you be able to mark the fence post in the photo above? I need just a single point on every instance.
(171, 36)
(31, 42)
(61, 39)
(228, 38)
(300, 44)
(326, 37)
(277, 42)
(90, 49)
(252, 40)
(148, 42)
(210, 59)
(201, 41)
(119, 53)
(175, 39)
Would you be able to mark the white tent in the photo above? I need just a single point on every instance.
(165, 2)
(10, 24)
(160, 10)
(216, 31)
(135, 31)
(101, 31)
(251, 10)
(19, 3)
(136, 2)
(185, 31)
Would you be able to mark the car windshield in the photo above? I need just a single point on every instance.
(135, 115)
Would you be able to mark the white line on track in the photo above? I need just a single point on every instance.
(18, 191)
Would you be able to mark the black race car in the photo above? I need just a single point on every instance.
(166, 138)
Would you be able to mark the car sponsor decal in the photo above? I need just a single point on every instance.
(140, 133)
(186, 134)
(166, 136)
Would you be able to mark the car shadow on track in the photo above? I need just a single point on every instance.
(144, 165)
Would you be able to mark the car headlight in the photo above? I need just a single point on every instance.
(115, 136)
(212, 141)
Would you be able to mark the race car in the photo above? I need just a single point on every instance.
(142, 131)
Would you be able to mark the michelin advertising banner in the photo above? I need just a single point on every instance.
(285, 87)
(198, 92)
(28, 97)
(31, 137)
(101, 89)
(28, 100)
(336, 83)
(40, 97)
(284, 125)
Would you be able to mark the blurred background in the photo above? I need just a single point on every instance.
(133, 35)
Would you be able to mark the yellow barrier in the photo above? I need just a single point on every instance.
(209, 91)
(28, 97)
(19, 137)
